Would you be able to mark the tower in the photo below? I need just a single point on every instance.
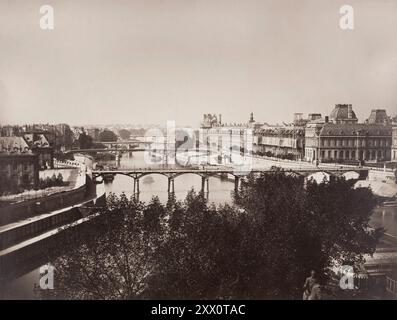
(251, 117)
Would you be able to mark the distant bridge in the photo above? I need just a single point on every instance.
(205, 173)
(121, 146)
(124, 142)
(104, 150)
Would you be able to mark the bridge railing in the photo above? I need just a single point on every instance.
(216, 169)
(66, 163)
(379, 169)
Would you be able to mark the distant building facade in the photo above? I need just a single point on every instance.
(285, 142)
(226, 140)
(340, 138)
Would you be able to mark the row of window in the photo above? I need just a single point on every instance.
(354, 142)
(25, 166)
(352, 154)
(280, 142)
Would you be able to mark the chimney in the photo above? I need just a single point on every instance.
(326, 119)
(220, 119)
(349, 111)
(297, 116)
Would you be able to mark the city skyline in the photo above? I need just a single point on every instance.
(135, 62)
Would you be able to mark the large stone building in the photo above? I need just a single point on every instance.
(226, 140)
(278, 141)
(285, 142)
(19, 167)
(340, 138)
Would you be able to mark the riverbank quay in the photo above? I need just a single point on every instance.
(26, 207)
(26, 242)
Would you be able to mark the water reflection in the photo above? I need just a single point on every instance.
(385, 217)
(22, 287)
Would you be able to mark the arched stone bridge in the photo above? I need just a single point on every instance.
(206, 173)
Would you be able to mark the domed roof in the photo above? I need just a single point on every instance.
(378, 116)
(341, 112)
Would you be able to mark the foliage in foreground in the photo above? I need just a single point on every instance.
(263, 246)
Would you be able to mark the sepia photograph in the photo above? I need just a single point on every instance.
(198, 155)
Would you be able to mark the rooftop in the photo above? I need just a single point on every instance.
(14, 145)
(342, 112)
(352, 129)
(280, 131)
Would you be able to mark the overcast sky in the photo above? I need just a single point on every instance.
(149, 61)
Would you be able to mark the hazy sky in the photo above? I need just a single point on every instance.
(149, 61)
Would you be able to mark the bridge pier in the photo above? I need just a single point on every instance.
(171, 185)
(136, 188)
(205, 186)
(236, 184)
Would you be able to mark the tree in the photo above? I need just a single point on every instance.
(309, 227)
(262, 246)
(59, 179)
(108, 258)
(63, 136)
(124, 134)
(107, 136)
(85, 141)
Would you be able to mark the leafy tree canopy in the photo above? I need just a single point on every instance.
(107, 136)
(261, 246)
(124, 134)
(85, 141)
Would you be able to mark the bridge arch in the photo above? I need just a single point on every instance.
(351, 175)
(319, 177)
(143, 174)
